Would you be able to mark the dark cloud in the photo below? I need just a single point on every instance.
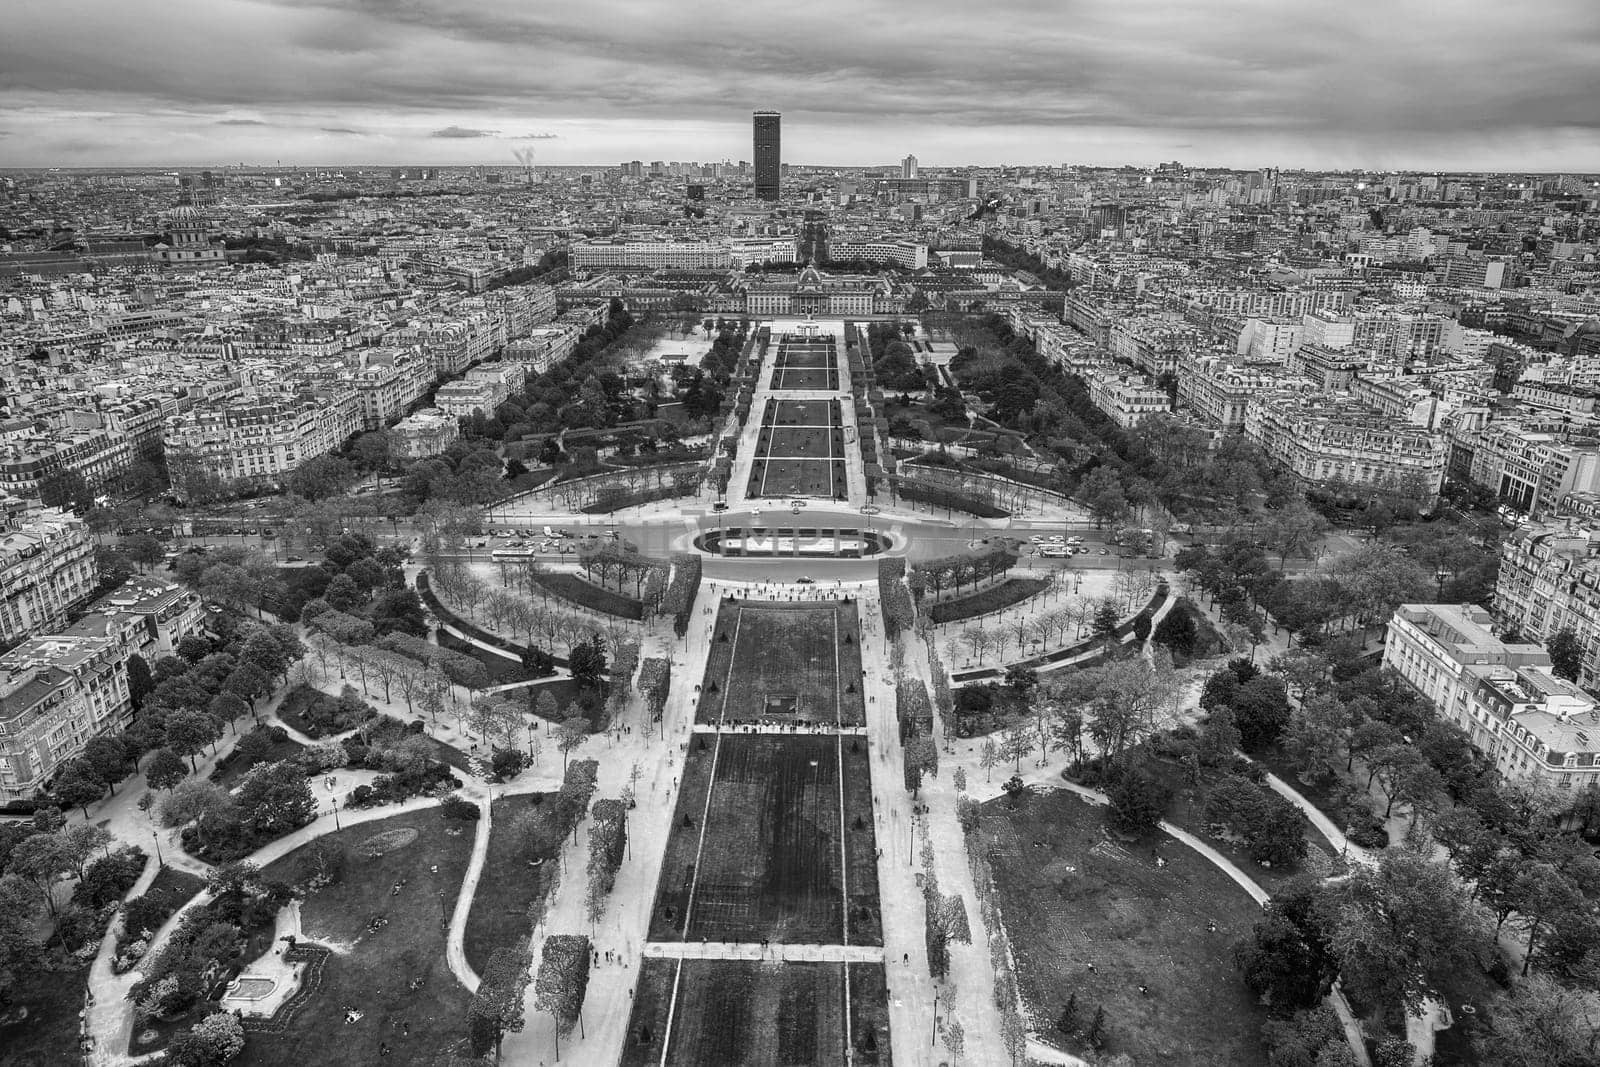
(1333, 82)
(242, 122)
(344, 130)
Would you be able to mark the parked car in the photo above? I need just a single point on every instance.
(805, 580)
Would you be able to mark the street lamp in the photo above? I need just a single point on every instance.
(1441, 576)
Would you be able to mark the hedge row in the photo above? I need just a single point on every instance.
(588, 595)
(1004, 595)
(894, 599)
(655, 677)
(912, 709)
(681, 591)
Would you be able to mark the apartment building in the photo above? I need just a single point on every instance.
(1331, 370)
(46, 567)
(1530, 469)
(260, 440)
(913, 255)
(647, 253)
(55, 693)
(423, 434)
(1324, 439)
(101, 455)
(542, 348)
(1265, 340)
(147, 616)
(1549, 581)
(1069, 349)
(1218, 392)
(1406, 398)
(744, 251)
(1156, 344)
(1531, 724)
(1128, 399)
(388, 382)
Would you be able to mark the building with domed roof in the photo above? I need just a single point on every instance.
(190, 247)
(812, 293)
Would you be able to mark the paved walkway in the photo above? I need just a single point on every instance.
(455, 952)
(755, 950)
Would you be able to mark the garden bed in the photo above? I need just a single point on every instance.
(1008, 593)
(500, 669)
(586, 594)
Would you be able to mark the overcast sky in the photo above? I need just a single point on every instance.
(1457, 84)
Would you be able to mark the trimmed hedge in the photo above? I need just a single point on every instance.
(588, 595)
(681, 591)
(1009, 592)
(894, 599)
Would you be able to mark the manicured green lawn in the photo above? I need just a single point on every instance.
(48, 1036)
(373, 971)
(1091, 916)
(508, 885)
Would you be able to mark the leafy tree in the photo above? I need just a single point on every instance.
(1401, 929)
(193, 800)
(78, 785)
(1312, 1037)
(1016, 742)
(1104, 626)
(1539, 1023)
(165, 769)
(587, 662)
(1261, 707)
(275, 797)
(497, 1006)
(1288, 961)
(1138, 802)
(140, 681)
(563, 979)
(398, 611)
(20, 949)
(39, 861)
(572, 733)
(216, 1039)
(321, 477)
(1566, 654)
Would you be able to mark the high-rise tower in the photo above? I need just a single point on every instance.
(767, 155)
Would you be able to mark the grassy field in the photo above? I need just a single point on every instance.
(742, 1013)
(48, 1035)
(397, 975)
(801, 451)
(804, 366)
(1090, 916)
(798, 477)
(789, 663)
(810, 442)
(769, 856)
(508, 885)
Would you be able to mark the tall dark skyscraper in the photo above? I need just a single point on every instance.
(768, 157)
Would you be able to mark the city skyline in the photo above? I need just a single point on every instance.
(1240, 84)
